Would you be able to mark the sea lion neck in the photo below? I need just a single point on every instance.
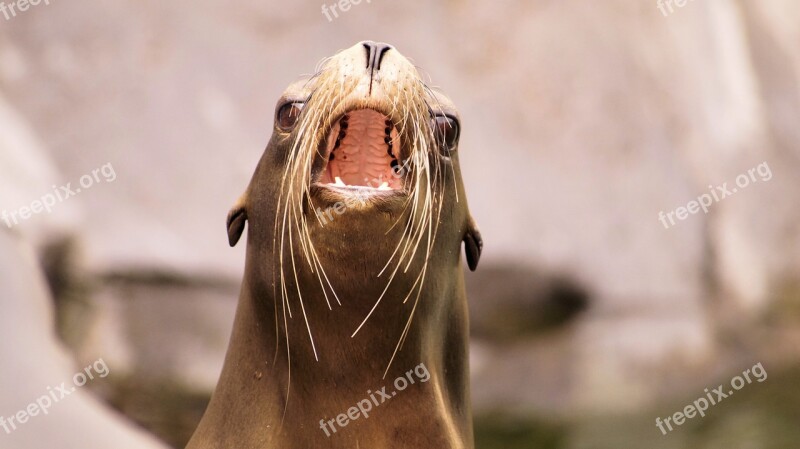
(354, 292)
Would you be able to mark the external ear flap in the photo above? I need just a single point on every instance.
(473, 244)
(237, 217)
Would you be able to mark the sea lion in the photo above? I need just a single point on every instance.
(352, 328)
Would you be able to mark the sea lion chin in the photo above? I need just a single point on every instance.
(353, 280)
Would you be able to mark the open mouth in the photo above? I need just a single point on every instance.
(362, 152)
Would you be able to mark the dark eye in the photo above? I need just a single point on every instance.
(447, 131)
(288, 114)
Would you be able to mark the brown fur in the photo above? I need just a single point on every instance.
(302, 347)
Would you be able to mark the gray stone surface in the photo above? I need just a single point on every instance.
(34, 363)
(168, 334)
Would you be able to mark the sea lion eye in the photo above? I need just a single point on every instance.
(447, 131)
(288, 115)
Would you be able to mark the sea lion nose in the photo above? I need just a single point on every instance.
(375, 53)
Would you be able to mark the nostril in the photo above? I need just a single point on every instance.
(369, 46)
(381, 53)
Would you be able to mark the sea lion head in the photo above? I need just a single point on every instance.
(360, 184)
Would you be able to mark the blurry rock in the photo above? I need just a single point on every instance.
(162, 330)
(28, 174)
(34, 364)
(511, 301)
(167, 336)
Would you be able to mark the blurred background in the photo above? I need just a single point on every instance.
(582, 121)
